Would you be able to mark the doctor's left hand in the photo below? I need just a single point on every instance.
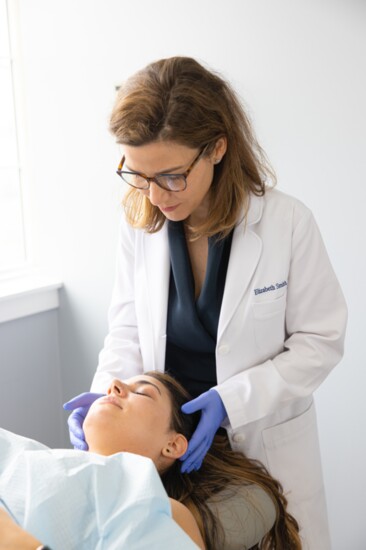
(213, 413)
(80, 406)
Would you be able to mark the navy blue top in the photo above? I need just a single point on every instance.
(192, 324)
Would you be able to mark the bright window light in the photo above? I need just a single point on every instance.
(12, 245)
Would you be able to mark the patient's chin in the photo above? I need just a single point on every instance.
(96, 419)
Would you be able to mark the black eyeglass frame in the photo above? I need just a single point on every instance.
(184, 175)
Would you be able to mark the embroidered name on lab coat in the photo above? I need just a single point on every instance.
(270, 288)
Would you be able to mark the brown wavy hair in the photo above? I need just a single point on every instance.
(221, 468)
(178, 100)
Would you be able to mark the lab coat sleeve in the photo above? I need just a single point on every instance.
(316, 316)
(120, 356)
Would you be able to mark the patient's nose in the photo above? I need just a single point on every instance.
(118, 387)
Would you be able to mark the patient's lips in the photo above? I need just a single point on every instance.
(111, 400)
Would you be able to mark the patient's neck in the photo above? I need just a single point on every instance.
(161, 463)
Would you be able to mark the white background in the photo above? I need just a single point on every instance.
(300, 68)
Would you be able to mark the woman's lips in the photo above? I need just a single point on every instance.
(168, 208)
(111, 400)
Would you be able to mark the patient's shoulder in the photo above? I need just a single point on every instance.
(186, 521)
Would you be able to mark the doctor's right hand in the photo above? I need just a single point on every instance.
(80, 406)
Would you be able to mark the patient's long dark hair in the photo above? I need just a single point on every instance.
(221, 468)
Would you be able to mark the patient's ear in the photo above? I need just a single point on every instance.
(175, 447)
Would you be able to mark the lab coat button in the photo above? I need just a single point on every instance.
(224, 349)
(238, 438)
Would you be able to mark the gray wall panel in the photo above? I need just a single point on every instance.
(30, 381)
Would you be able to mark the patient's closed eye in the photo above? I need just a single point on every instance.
(148, 388)
(142, 393)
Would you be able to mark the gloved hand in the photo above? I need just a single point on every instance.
(213, 414)
(80, 406)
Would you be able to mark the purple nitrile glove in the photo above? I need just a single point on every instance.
(80, 406)
(213, 413)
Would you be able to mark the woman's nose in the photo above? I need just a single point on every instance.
(118, 387)
(156, 194)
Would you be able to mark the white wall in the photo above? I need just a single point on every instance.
(300, 68)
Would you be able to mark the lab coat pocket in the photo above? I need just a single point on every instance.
(293, 455)
(269, 324)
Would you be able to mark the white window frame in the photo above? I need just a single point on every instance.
(24, 289)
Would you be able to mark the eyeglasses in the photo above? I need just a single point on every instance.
(169, 182)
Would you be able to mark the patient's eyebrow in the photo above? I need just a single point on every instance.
(144, 382)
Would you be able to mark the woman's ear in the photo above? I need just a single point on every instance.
(175, 447)
(219, 150)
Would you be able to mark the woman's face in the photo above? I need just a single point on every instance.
(134, 417)
(161, 157)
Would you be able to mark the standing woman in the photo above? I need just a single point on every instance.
(221, 280)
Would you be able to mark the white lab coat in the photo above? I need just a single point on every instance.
(281, 331)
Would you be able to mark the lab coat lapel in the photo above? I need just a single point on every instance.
(245, 252)
(157, 271)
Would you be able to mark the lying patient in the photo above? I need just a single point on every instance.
(142, 416)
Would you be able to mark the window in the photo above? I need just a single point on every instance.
(12, 242)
